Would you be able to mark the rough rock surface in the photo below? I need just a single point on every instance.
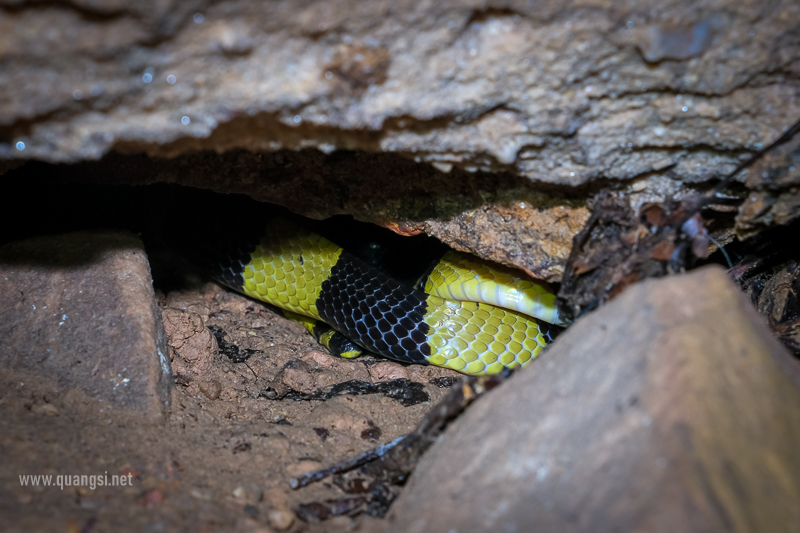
(775, 191)
(559, 92)
(503, 218)
(670, 409)
(79, 308)
(658, 98)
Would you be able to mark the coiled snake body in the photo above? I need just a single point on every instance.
(287, 265)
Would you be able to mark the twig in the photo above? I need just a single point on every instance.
(343, 466)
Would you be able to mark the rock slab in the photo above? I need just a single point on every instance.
(559, 92)
(79, 309)
(672, 408)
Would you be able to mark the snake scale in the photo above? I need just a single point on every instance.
(462, 314)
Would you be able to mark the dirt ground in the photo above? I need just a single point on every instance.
(235, 435)
(223, 458)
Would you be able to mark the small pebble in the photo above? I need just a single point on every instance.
(276, 498)
(299, 379)
(211, 389)
(280, 519)
(387, 372)
(152, 498)
(201, 494)
(302, 467)
(46, 409)
(249, 493)
(251, 510)
(322, 359)
(342, 523)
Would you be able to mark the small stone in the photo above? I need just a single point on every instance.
(190, 339)
(211, 389)
(302, 467)
(276, 497)
(353, 370)
(387, 372)
(298, 377)
(151, 499)
(323, 360)
(201, 494)
(249, 493)
(232, 38)
(341, 523)
(46, 409)
(280, 519)
(251, 510)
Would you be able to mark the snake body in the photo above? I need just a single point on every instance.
(283, 263)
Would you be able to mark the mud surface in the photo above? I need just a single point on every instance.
(224, 456)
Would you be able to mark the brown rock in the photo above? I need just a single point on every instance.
(319, 358)
(211, 389)
(354, 370)
(387, 371)
(280, 519)
(46, 409)
(469, 87)
(538, 93)
(672, 408)
(79, 308)
(188, 337)
(297, 376)
(152, 498)
(276, 497)
(249, 493)
(302, 467)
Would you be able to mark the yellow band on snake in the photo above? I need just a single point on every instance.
(458, 276)
(304, 273)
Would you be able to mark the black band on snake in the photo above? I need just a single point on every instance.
(464, 313)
